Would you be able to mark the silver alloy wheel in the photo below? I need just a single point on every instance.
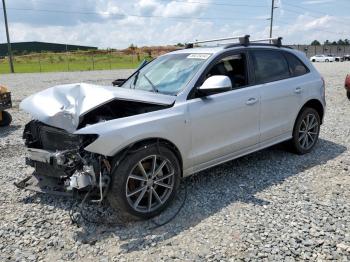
(308, 131)
(150, 183)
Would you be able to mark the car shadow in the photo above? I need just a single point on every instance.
(7, 130)
(208, 192)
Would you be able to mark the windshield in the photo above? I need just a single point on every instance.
(167, 74)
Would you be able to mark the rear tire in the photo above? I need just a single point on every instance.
(313, 60)
(326, 60)
(6, 119)
(145, 182)
(348, 94)
(306, 131)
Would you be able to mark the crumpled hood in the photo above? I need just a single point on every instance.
(62, 106)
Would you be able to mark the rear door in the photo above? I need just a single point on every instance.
(280, 93)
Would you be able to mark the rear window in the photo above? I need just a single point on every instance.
(269, 66)
(297, 68)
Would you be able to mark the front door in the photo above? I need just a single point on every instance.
(224, 124)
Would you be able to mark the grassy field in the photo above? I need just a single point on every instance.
(73, 61)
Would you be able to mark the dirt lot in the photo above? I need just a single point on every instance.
(270, 205)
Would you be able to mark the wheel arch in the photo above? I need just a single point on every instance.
(315, 104)
(120, 155)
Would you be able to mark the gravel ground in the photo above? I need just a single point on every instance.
(270, 205)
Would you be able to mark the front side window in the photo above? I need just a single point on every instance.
(168, 74)
(297, 68)
(269, 66)
(233, 66)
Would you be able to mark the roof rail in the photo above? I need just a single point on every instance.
(243, 40)
(274, 41)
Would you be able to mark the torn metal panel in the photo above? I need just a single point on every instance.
(62, 106)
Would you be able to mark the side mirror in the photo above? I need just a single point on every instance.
(215, 84)
(118, 82)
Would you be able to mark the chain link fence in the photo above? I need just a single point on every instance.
(108, 59)
(73, 61)
(309, 50)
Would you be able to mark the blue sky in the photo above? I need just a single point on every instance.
(117, 23)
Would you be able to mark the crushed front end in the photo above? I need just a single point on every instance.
(61, 165)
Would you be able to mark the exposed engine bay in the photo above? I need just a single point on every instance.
(117, 109)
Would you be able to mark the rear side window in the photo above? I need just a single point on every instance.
(297, 68)
(269, 66)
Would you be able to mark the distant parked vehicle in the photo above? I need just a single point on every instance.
(337, 58)
(322, 58)
(347, 85)
(347, 57)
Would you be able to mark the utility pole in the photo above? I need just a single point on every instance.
(8, 38)
(271, 18)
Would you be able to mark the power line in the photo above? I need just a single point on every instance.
(212, 3)
(171, 17)
(130, 15)
(193, 2)
(304, 8)
(309, 15)
(309, 10)
(316, 29)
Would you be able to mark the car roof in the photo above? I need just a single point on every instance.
(199, 50)
(221, 48)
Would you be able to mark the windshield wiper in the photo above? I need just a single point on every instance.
(135, 79)
(155, 90)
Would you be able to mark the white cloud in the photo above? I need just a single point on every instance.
(315, 2)
(170, 8)
(305, 29)
(112, 26)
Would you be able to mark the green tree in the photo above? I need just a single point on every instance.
(327, 42)
(315, 42)
(341, 42)
(132, 47)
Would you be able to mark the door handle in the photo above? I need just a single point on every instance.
(251, 101)
(298, 90)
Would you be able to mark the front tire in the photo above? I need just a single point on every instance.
(145, 182)
(306, 131)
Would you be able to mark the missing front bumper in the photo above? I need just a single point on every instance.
(43, 184)
(59, 173)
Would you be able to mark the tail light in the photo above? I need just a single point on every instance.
(347, 81)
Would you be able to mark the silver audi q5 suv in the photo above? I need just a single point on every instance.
(183, 112)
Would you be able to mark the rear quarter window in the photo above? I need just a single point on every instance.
(269, 66)
(297, 68)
